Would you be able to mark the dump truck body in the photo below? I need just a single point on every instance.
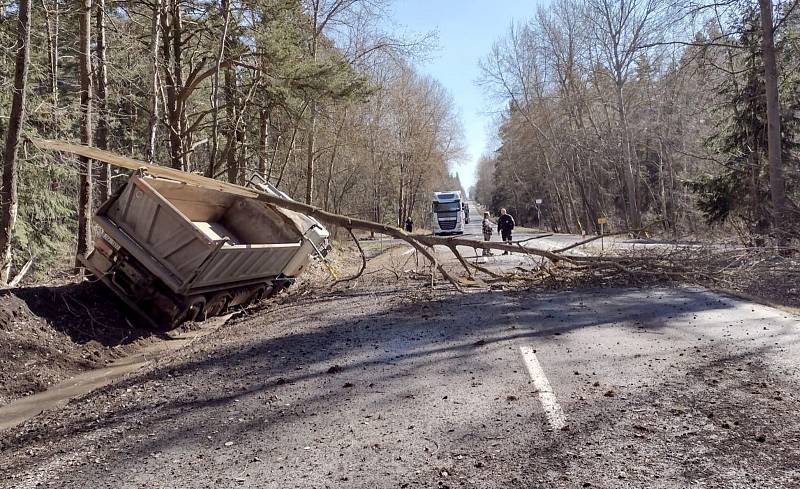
(175, 251)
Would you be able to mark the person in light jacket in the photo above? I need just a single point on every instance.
(488, 229)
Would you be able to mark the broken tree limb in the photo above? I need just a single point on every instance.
(22, 272)
(606, 235)
(522, 241)
(475, 244)
(363, 261)
(485, 270)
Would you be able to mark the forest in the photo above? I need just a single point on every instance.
(682, 117)
(678, 117)
(318, 97)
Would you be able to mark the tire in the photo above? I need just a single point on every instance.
(215, 306)
(190, 312)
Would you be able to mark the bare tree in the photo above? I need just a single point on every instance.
(620, 28)
(776, 180)
(154, 44)
(101, 81)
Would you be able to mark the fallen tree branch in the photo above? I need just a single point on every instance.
(363, 262)
(534, 238)
(606, 235)
(23, 271)
(485, 270)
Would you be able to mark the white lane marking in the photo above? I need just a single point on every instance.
(408, 252)
(552, 410)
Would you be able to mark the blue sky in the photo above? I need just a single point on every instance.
(466, 31)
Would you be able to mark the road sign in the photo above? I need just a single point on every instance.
(538, 201)
(602, 220)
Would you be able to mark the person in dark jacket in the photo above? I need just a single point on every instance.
(505, 224)
(409, 224)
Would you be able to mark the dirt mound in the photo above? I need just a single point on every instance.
(48, 334)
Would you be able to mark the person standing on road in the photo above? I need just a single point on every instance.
(505, 224)
(409, 224)
(488, 229)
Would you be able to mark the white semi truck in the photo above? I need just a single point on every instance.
(448, 213)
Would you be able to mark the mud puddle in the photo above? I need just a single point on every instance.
(20, 410)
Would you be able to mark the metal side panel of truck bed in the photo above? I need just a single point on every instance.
(179, 251)
(198, 239)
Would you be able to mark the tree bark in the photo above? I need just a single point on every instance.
(8, 192)
(85, 164)
(233, 135)
(172, 26)
(312, 123)
(101, 137)
(226, 15)
(154, 43)
(634, 217)
(263, 142)
(776, 181)
(310, 149)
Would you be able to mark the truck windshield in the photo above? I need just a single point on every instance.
(446, 206)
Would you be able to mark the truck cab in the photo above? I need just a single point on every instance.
(447, 213)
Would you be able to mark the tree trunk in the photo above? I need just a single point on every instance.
(776, 181)
(212, 164)
(401, 191)
(8, 192)
(263, 142)
(184, 137)
(232, 133)
(312, 127)
(153, 122)
(332, 163)
(101, 137)
(85, 164)
(634, 218)
(171, 25)
(312, 123)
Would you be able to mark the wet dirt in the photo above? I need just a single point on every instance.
(48, 334)
(20, 410)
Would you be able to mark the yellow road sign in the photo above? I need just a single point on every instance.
(602, 220)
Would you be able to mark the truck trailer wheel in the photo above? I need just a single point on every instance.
(194, 308)
(215, 306)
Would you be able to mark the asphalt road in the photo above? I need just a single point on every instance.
(546, 240)
(615, 388)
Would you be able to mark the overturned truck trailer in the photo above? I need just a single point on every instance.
(175, 251)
